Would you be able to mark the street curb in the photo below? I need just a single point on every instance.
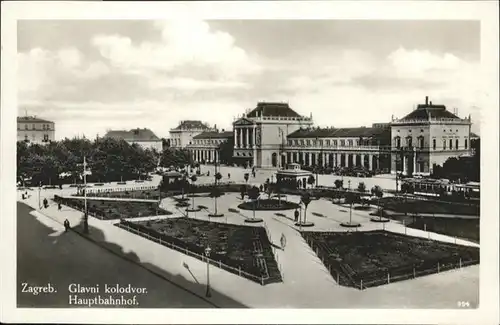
(97, 243)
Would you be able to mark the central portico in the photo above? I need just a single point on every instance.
(260, 135)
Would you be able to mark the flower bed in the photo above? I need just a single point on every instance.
(268, 205)
(374, 258)
(111, 210)
(426, 206)
(137, 194)
(234, 248)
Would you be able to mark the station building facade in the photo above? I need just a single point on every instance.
(273, 135)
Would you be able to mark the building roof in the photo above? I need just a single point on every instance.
(133, 135)
(214, 135)
(268, 109)
(340, 132)
(191, 124)
(474, 135)
(428, 110)
(31, 119)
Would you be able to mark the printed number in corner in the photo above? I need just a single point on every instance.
(463, 304)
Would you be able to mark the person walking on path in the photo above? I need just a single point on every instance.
(45, 203)
(296, 215)
(66, 225)
(59, 206)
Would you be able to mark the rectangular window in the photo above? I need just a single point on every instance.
(308, 142)
(328, 142)
(33, 126)
(444, 144)
(451, 144)
(433, 144)
(456, 144)
(409, 142)
(335, 143)
(421, 143)
(25, 126)
(465, 144)
(349, 143)
(357, 143)
(342, 143)
(321, 143)
(301, 142)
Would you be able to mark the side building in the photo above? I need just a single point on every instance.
(205, 147)
(182, 135)
(426, 137)
(142, 137)
(32, 129)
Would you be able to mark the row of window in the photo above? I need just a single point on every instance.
(420, 143)
(33, 136)
(45, 127)
(328, 143)
(207, 141)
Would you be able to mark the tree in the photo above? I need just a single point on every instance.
(253, 194)
(215, 193)
(338, 183)
(218, 177)
(378, 193)
(310, 180)
(305, 199)
(193, 181)
(361, 187)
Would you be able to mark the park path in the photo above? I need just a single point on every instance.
(306, 280)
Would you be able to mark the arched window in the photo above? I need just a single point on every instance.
(409, 141)
(465, 144)
(397, 142)
(433, 144)
(444, 144)
(421, 142)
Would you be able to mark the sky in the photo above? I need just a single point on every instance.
(93, 76)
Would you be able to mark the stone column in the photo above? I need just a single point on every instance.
(235, 137)
(327, 159)
(241, 138)
(338, 160)
(247, 131)
(404, 165)
(254, 134)
(370, 162)
(362, 160)
(303, 158)
(414, 161)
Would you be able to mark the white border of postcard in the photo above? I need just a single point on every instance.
(485, 11)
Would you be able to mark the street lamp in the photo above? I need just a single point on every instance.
(39, 190)
(85, 212)
(207, 254)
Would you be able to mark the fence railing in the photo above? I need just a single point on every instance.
(160, 239)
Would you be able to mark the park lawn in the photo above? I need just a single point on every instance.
(111, 210)
(240, 247)
(373, 258)
(432, 207)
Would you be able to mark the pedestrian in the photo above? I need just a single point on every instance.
(296, 215)
(45, 203)
(228, 175)
(66, 225)
(261, 187)
(59, 206)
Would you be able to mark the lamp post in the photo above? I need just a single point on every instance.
(85, 213)
(39, 190)
(207, 254)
